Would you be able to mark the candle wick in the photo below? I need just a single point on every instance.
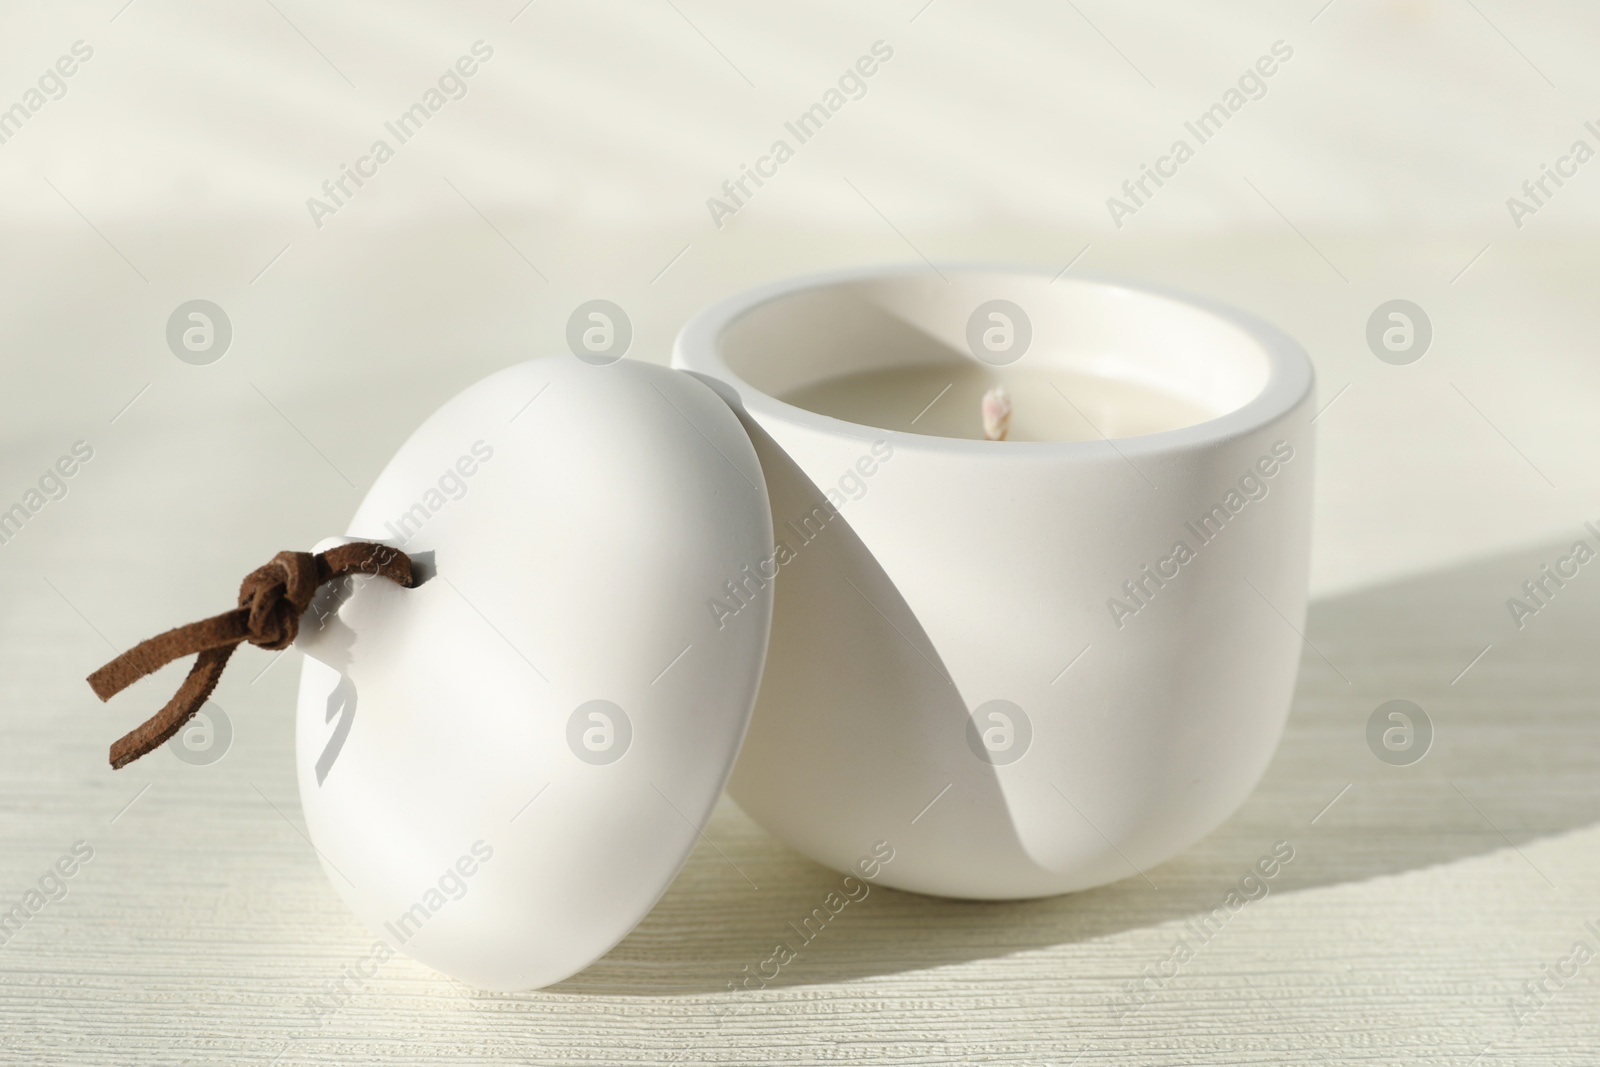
(996, 414)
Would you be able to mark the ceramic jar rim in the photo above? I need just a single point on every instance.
(1290, 377)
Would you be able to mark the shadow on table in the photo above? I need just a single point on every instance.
(1514, 760)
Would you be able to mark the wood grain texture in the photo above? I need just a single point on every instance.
(1416, 906)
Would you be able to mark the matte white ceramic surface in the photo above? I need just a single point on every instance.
(503, 768)
(948, 671)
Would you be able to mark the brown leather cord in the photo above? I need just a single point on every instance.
(271, 601)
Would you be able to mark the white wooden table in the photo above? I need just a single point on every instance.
(1419, 902)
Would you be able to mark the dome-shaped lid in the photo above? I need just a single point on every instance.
(503, 768)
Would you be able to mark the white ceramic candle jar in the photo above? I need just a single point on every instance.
(1033, 665)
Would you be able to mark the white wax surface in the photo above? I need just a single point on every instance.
(1046, 405)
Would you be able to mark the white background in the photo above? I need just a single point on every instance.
(593, 138)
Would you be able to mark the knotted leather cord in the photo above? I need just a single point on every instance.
(271, 600)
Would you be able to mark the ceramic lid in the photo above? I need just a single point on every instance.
(504, 768)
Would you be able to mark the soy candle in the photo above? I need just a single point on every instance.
(945, 399)
(1031, 665)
